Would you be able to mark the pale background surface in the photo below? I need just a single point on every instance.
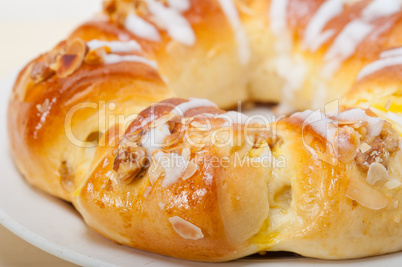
(28, 28)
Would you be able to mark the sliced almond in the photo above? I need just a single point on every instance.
(186, 153)
(387, 105)
(129, 164)
(54, 55)
(364, 147)
(201, 126)
(348, 143)
(376, 172)
(366, 195)
(95, 57)
(347, 122)
(41, 71)
(190, 170)
(185, 229)
(392, 184)
(398, 162)
(155, 171)
(164, 119)
(72, 59)
(147, 191)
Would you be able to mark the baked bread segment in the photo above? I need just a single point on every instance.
(216, 189)
(177, 195)
(55, 121)
(93, 122)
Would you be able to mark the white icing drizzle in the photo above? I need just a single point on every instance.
(278, 16)
(141, 28)
(174, 166)
(381, 8)
(232, 117)
(115, 46)
(392, 53)
(388, 58)
(185, 229)
(113, 59)
(374, 124)
(176, 25)
(313, 36)
(319, 122)
(155, 138)
(354, 33)
(232, 15)
(345, 45)
(179, 5)
(379, 65)
(193, 103)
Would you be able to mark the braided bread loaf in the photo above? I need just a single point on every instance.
(88, 122)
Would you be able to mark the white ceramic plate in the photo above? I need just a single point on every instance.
(54, 226)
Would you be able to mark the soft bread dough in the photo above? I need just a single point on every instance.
(322, 202)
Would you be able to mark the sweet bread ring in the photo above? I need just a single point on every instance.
(89, 122)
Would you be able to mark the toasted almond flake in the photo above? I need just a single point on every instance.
(398, 162)
(147, 191)
(347, 122)
(185, 229)
(41, 71)
(396, 203)
(392, 184)
(72, 59)
(347, 141)
(376, 172)
(155, 171)
(195, 140)
(190, 171)
(112, 177)
(397, 218)
(186, 153)
(366, 195)
(164, 119)
(95, 56)
(387, 105)
(184, 120)
(129, 164)
(161, 205)
(201, 126)
(364, 147)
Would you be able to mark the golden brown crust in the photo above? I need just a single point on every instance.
(67, 137)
